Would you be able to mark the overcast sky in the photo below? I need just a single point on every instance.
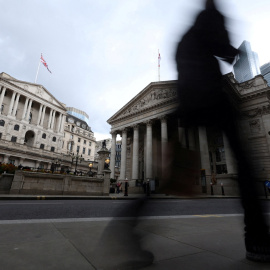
(103, 52)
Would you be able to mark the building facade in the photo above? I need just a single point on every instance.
(265, 71)
(247, 64)
(147, 124)
(35, 129)
(78, 137)
(31, 123)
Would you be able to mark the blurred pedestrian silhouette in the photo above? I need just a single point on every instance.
(203, 102)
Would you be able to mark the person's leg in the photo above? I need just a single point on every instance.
(257, 239)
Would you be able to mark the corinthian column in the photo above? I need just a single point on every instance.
(205, 161)
(16, 105)
(123, 155)
(112, 162)
(11, 103)
(135, 157)
(2, 97)
(149, 150)
(25, 108)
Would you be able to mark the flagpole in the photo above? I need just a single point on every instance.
(37, 71)
(158, 66)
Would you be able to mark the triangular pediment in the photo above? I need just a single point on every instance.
(153, 95)
(35, 89)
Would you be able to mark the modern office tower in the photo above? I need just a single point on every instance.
(78, 113)
(265, 71)
(247, 64)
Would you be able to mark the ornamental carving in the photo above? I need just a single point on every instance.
(154, 97)
(257, 111)
(255, 126)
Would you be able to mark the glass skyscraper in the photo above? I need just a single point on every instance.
(265, 70)
(247, 64)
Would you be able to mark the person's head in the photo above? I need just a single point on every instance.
(210, 4)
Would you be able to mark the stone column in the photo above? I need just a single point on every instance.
(182, 135)
(204, 151)
(50, 119)
(43, 115)
(11, 103)
(2, 97)
(62, 123)
(123, 155)
(39, 113)
(135, 157)
(59, 122)
(112, 161)
(53, 119)
(16, 105)
(164, 144)
(24, 109)
(28, 110)
(149, 150)
(230, 160)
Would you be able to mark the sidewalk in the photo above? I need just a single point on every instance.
(182, 242)
(111, 196)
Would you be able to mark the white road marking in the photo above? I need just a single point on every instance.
(33, 203)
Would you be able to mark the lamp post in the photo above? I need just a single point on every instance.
(90, 167)
(76, 158)
(56, 163)
(107, 162)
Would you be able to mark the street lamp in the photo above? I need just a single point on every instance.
(107, 162)
(56, 163)
(76, 158)
(90, 167)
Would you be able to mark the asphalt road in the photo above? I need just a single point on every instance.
(54, 209)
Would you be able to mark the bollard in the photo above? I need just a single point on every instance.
(222, 189)
(212, 190)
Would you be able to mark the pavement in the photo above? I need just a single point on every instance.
(177, 242)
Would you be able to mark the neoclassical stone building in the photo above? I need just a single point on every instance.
(34, 129)
(147, 123)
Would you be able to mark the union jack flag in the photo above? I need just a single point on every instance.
(44, 63)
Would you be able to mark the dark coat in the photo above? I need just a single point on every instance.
(199, 76)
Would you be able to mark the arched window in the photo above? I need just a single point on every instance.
(43, 136)
(52, 149)
(16, 127)
(42, 146)
(54, 139)
(2, 123)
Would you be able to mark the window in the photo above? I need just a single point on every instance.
(11, 161)
(43, 136)
(79, 139)
(52, 149)
(83, 150)
(89, 152)
(42, 146)
(84, 142)
(2, 123)
(71, 136)
(16, 127)
(90, 143)
(30, 117)
(78, 149)
(72, 129)
(13, 139)
(54, 139)
(2, 108)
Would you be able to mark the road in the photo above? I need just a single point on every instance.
(57, 209)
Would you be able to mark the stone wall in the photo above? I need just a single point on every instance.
(58, 184)
(5, 182)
